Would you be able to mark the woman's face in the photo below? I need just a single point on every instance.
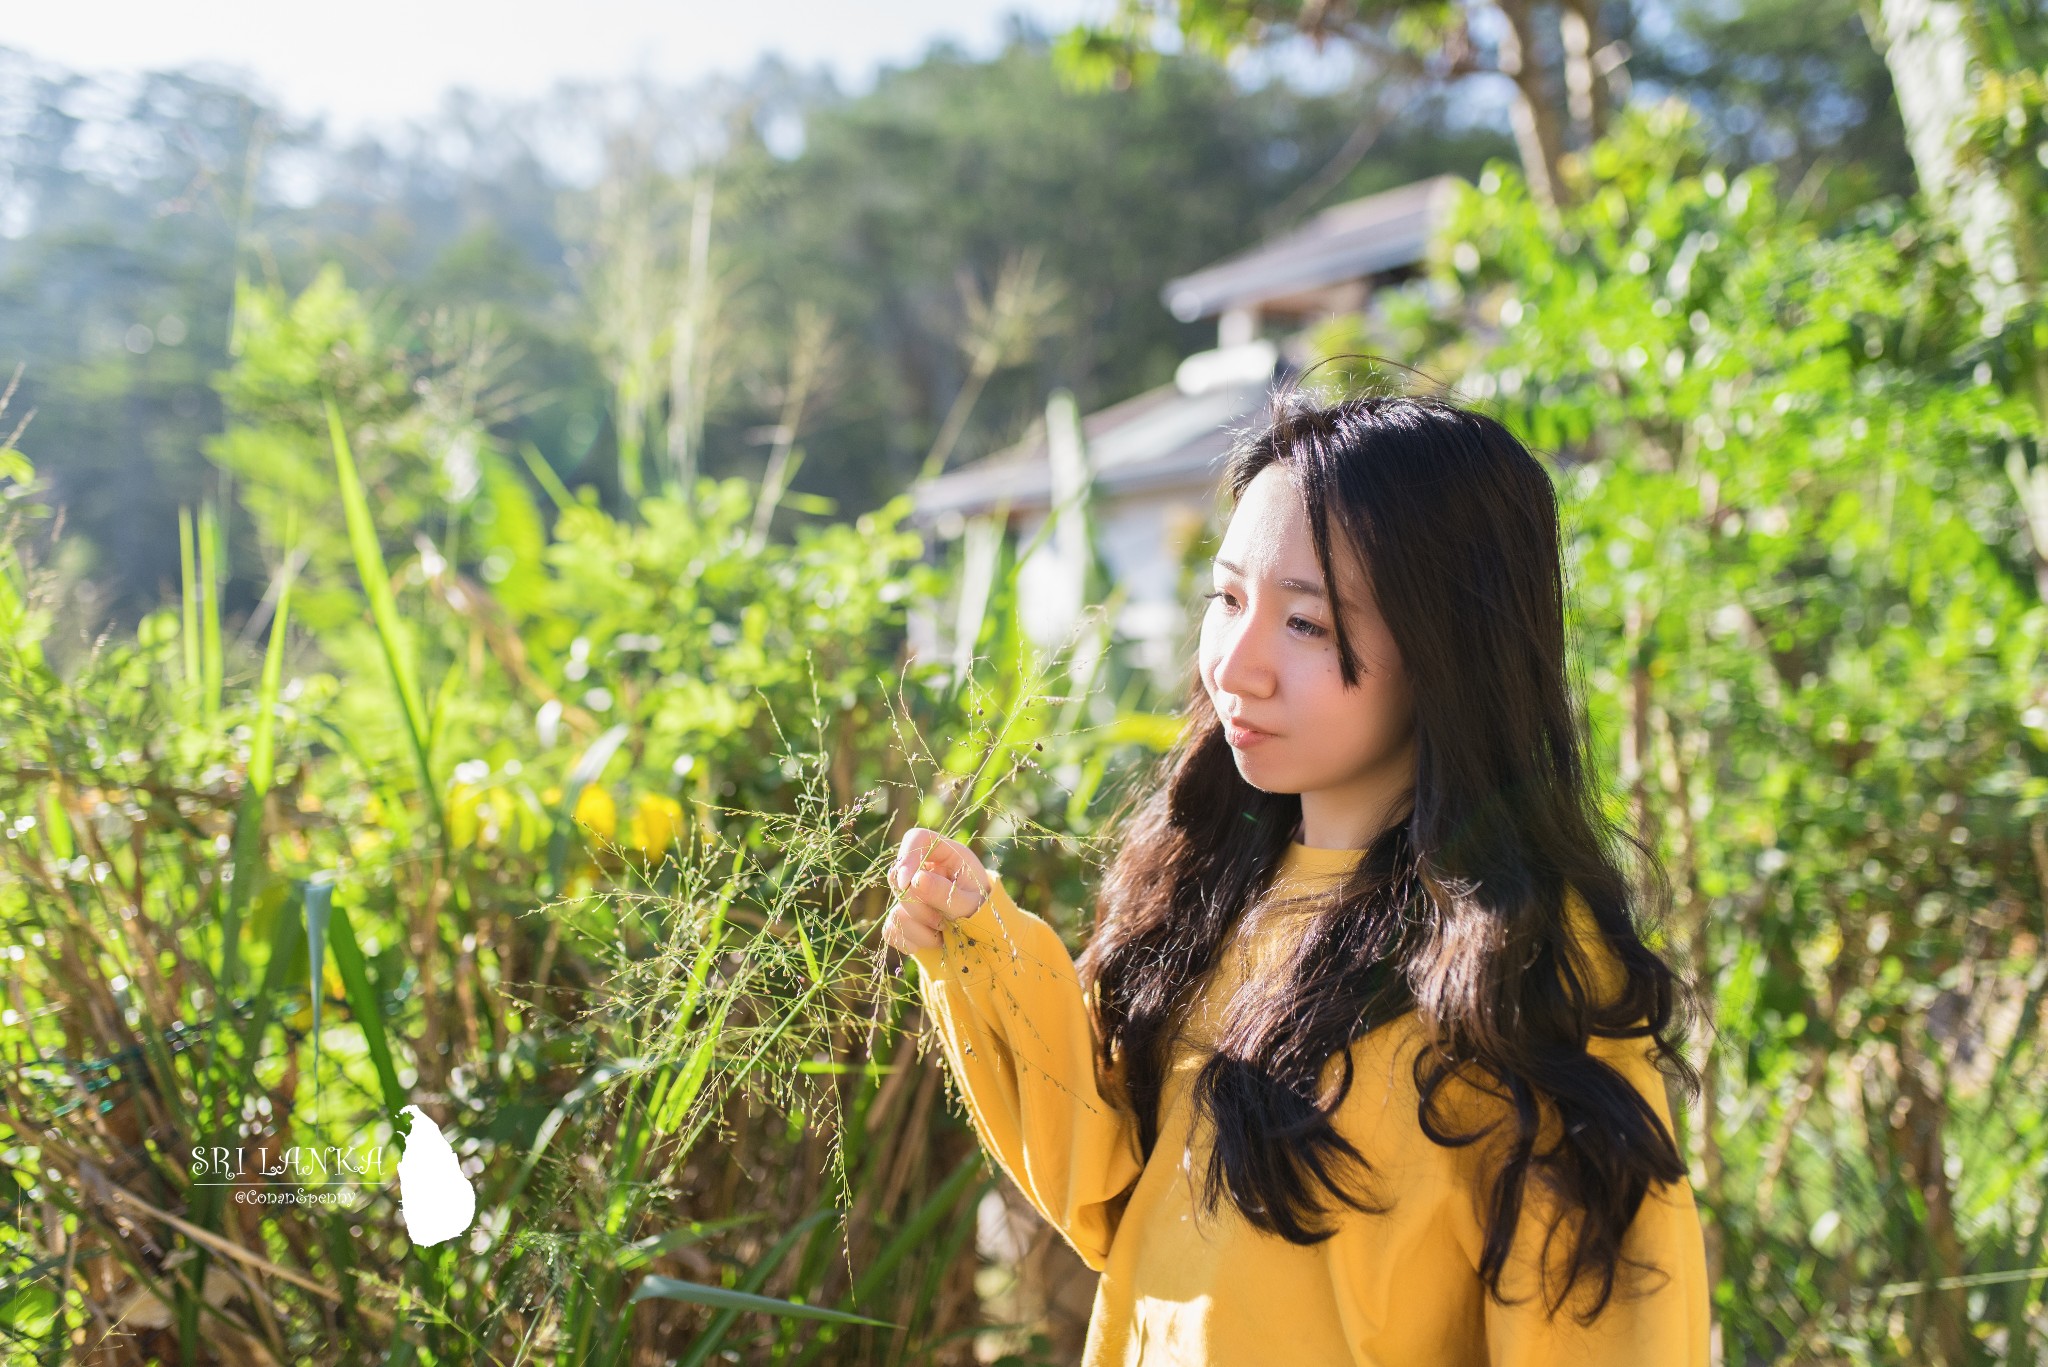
(1269, 662)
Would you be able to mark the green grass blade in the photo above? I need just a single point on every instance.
(598, 1079)
(245, 860)
(362, 1003)
(317, 896)
(696, 1293)
(803, 942)
(211, 659)
(285, 931)
(713, 1337)
(369, 557)
(188, 597)
(654, 1246)
(673, 1099)
(919, 1227)
(675, 1103)
(914, 1234)
(545, 476)
(262, 746)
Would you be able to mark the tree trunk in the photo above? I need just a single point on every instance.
(1929, 47)
(687, 389)
(1586, 95)
(1539, 134)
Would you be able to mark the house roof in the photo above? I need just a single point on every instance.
(1345, 242)
(1161, 439)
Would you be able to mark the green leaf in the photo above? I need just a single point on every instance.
(262, 746)
(363, 1005)
(188, 597)
(718, 1297)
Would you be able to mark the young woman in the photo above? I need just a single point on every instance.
(1361, 1065)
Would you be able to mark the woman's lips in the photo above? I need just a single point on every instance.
(1243, 737)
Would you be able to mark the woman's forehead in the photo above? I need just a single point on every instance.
(1268, 537)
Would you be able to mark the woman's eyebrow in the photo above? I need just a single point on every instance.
(1295, 584)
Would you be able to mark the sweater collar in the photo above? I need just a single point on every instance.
(1310, 864)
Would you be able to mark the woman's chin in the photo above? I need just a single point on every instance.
(1260, 771)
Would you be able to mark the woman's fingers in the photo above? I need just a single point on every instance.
(922, 848)
(925, 905)
(926, 851)
(908, 930)
(953, 894)
(935, 879)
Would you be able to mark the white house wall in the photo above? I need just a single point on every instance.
(1049, 584)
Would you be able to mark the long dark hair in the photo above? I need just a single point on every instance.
(1456, 911)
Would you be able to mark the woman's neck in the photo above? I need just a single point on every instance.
(1351, 815)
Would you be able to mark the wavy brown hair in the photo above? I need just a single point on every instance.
(1455, 912)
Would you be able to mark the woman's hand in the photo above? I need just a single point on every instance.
(935, 880)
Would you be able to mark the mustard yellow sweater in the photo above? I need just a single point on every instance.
(1180, 1286)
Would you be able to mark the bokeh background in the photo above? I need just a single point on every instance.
(511, 516)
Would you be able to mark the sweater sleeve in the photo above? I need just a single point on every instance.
(1006, 1003)
(1658, 1311)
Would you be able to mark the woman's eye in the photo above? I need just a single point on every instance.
(1310, 629)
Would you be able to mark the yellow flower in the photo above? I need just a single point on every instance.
(596, 812)
(657, 823)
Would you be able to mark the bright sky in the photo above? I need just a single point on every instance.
(372, 63)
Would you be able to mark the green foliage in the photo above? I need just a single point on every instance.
(589, 870)
(423, 398)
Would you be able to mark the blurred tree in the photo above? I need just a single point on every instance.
(1780, 81)
(1564, 65)
(132, 206)
(118, 211)
(1794, 83)
(1973, 89)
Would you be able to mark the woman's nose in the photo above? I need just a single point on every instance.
(1241, 666)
